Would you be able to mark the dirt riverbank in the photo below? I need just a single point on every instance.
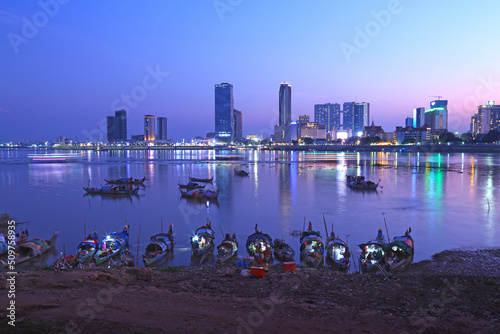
(456, 292)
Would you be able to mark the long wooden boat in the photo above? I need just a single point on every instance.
(311, 248)
(372, 254)
(111, 247)
(158, 247)
(228, 248)
(33, 249)
(127, 191)
(85, 251)
(399, 252)
(260, 246)
(197, 179)
(202, 241)
(202, 194)
(240, 172)
(359, 183)
(125, 180)
(337, 253)
(283, 252)
(191, 185)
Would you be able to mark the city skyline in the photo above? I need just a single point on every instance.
(63, 75)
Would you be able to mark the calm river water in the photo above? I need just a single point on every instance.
(449, 200)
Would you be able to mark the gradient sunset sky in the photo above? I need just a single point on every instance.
(66, 66)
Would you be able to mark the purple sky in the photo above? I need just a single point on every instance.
(63, 76)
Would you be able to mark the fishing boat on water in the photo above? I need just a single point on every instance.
(227, 248)
(33, 249)
(311, 248)
(191, 186)
(125, 180)
(158, 247)
(85, 251)
(197, 179)
(203, 194)
(240, 172)
(260, 246)
(359, 183)
(111, 247)
(283, 252)
(337, 253)
(202, 241)
(122, 190)
(372, 254)
(399, 252)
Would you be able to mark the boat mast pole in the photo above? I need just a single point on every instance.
(326, 229)
(386, 230)
(84, 227)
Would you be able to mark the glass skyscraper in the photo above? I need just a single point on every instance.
(361, 117)
(149, 127)
(121, 130)
(224, 112)
(238, 124)
(111, 124)
(437, 116)
(328, 114)
(418, 117)
(348, 115)
(285, 104)
(161, 128)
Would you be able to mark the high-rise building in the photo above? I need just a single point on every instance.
(149, 127)
(437, 116)
(418, 117)
(348, 115)
(238, 125)
(303, 119)
(161, 133)
(361, 117)
(285, 104)
(121, 129)
(409, 121)
(224, 112)
(111, 125)
(328, 114)
(486, 119)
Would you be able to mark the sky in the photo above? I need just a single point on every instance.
(66, 65)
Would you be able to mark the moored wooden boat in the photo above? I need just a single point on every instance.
(202, 241)
(359, 183)
(158, 247)
(311, 248)
(260, 246)
(125, 180)
(399, 252)
(196, 179)
(191, 185)
(240, 172)
(283, 252)
(111, 247)
(33, 249)
(228, 248)
(337, 253)
(372, 254)
(127, 191)
(85, 250)
(202, 194)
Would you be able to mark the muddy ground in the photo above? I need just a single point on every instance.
(456, 292)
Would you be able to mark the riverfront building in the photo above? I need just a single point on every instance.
(224, 112)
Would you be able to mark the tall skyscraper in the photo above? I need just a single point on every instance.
(111, 125)
(437, 116)
(238, 124)
(161, 133)
(418, 117)
(328, 114)
(121, 130)
(224, 112)
(348, 115)
(486, 119)
(409, 121)
(285, 104)
(361, 117)
(149, 127)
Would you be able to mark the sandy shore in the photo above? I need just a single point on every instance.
(456, 292)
